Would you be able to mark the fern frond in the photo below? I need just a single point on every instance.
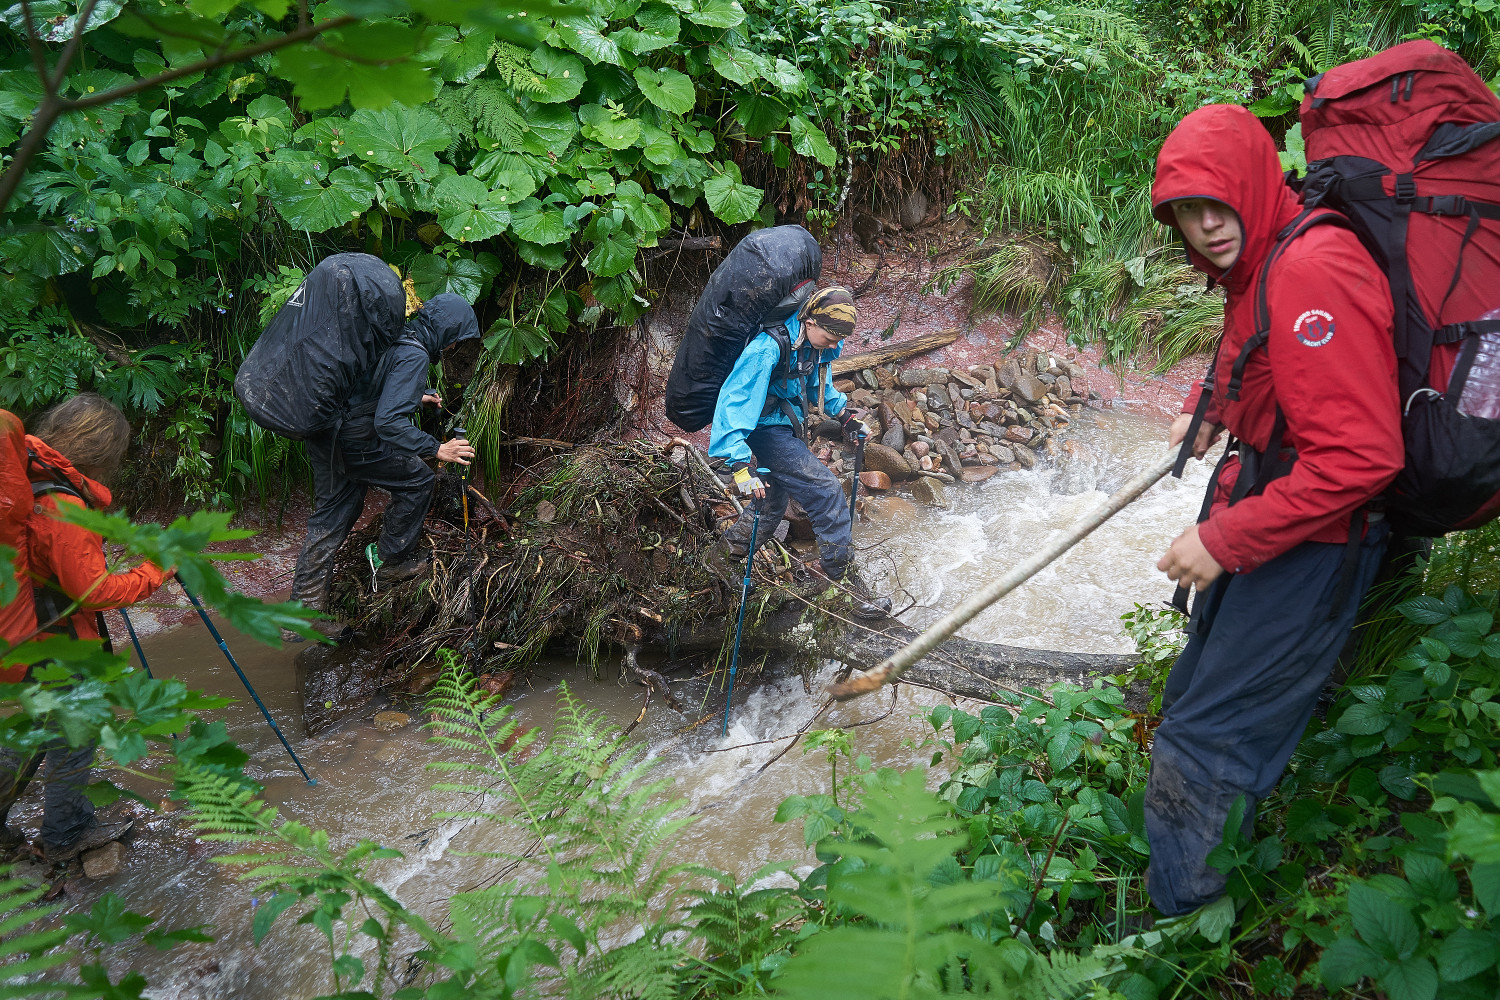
(25, 951)
(513, 63)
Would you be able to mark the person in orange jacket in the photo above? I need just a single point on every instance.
(75, 447)
(18, 618)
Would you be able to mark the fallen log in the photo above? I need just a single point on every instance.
(894, 352)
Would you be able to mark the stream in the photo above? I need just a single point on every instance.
(373, 784)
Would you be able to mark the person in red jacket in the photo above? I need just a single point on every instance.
(76, 446)
(17, 618)
(1294, 535)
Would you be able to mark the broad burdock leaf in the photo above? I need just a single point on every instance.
(584, 34)
(534, 223)
(728, 198)
(385, 72)
(668, 89)
(611, 255)
(783, 76)
(517, 343)
(460, 58)
(553, 258)
(760, 114)
(406, 140)
(809, 140)
(646, 212)
(609, 128)
(562, 74)
(46, 251)
(737, 65)
(712, 13)
(659, 27)
(468, 210)
(551, 128)
(658, 145)
(308, 204)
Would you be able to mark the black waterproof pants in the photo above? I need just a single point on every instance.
(67, 809)
(339, 498)
(1236, 704)
(794, 472)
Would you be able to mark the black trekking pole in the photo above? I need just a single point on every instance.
(734, 658)
(859, 462)
(136, 643)
(245, 680)
(460, 432)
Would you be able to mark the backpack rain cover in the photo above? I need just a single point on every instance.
(329, 335)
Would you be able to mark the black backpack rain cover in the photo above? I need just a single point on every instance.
(329, 335)
(758, 273)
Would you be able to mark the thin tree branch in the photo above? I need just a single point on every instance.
(38, 54)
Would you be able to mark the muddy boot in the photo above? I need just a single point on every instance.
(331, 628)
(867, 606)
(106, 825)
(404, 569)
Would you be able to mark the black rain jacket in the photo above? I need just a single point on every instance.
(394, 391)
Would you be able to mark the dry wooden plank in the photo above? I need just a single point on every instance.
(894, 352)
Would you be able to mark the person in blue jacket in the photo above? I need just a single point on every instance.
(761, 416)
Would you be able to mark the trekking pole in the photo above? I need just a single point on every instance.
(245, 680)
(140, 653)
(463, 482)
(859, 463)
(734, 658)
(900, 661)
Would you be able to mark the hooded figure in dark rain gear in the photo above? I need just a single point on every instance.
(378, 445)
(1292, 540)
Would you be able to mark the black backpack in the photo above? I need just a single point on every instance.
(330, 334)
(764, 280)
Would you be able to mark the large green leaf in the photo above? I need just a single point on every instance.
(760, 114)
(1413, 979)
(1466, 953)
(562, 75)
(551, 128)
(646, 212)
(468, 211)
(659, 27)
(609, 127)
(611, 255)
(462, 58)
(307, 203)
(584, 34)
(730, 200)
(517, 343)
(809, 140)
(668, 89)
(462, 275)
(1385, 924)
(783, 76)
(553, 258)
(535, 223)
(46, 251)
(383, 72)
(406, 140)
(737, 65)
(713, 13)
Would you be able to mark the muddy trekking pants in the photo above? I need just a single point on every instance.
(339, 498)
(67, 809)
(796, 474)
(1236, 703)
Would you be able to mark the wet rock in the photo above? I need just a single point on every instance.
(389, 722)
(928, 491)
(876, 481)
(951, 458)
(1030, 388)
(1024, 455)
(1002, 453)
(933, 421)
(104, 862)
(498, 683)
(977, 474)
(964, 420)
(903, 410)
(895, 438)
(919, 448)
(946, 435)
(1048, 378)
(925, 463)
(339, 681)
(1018, 434)
(992, 386)
(1063, 386)
(880, 458)
(1008, 373)
(968, 380)
(546, 512)
(867, 379)
(799, 525)
(886, 376)
(955, 395)
(937, 397)
(888, 508)
(829, 428)
(915, 377)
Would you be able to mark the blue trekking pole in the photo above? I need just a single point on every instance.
(859, 461)
(734, 659)
(140, 653)
(245, 680)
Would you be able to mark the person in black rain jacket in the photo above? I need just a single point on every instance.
(379, 445)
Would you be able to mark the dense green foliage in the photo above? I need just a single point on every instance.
(531, 165)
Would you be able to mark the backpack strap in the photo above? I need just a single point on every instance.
(785, 372)
(51, 602)
(1302, 223)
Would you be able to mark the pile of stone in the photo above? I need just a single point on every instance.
(938, 425)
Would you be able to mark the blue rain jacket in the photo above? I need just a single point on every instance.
(743, 394)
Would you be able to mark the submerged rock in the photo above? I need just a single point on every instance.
(879, 458)
(929, 491)
(388, 722)
(104, 862)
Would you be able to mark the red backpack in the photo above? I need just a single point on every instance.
(1405, 145)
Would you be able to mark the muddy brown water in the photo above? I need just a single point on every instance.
(375, 785)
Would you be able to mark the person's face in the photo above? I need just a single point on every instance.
(1212, 228)
(819, 337)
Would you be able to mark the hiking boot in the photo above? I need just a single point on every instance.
(867, 605)
(104, 826)
(404, 569)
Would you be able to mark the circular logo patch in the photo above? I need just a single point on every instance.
(1314, 328)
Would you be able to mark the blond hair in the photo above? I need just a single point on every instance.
(90, 431)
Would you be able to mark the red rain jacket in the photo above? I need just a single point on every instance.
(18, 618)
(1330, 362)
(74, 556)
